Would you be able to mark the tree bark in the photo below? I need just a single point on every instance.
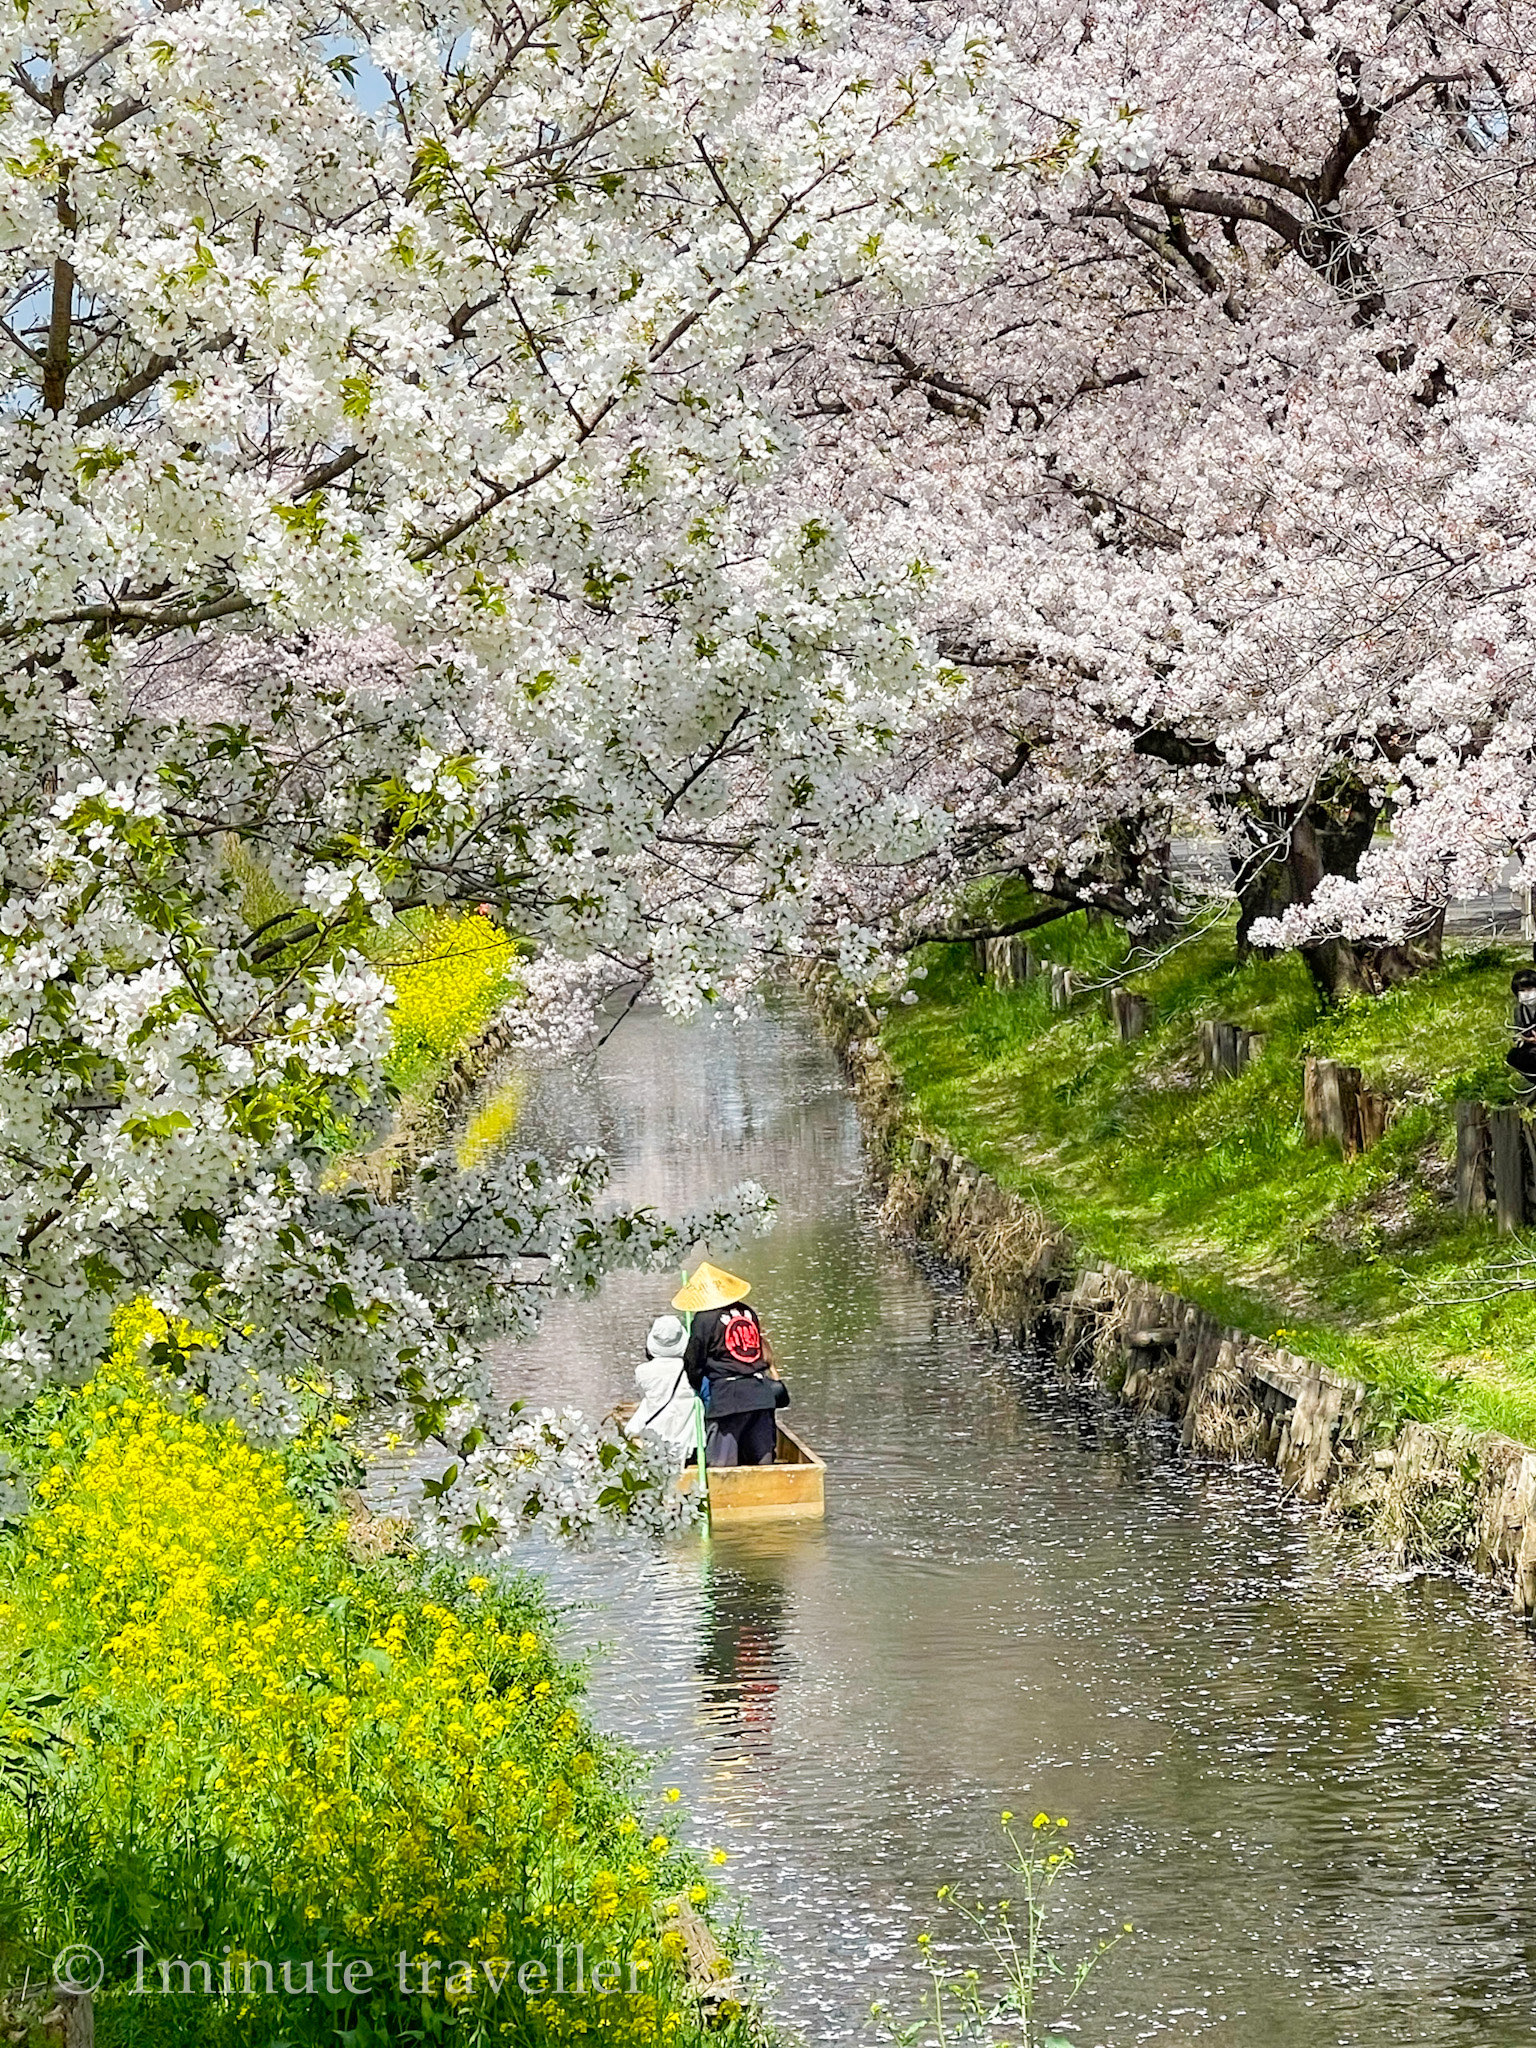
(1293, 849)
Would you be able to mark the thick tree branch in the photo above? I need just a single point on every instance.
(948, 936)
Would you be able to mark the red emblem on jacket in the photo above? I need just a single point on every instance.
(742, 1338)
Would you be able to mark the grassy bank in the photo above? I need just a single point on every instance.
(1209, 1186)
(229, 1734)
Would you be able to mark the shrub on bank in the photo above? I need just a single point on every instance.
(226, 1742)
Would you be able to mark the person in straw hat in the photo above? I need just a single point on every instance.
(729, 1363)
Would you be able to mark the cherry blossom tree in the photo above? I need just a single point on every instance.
(388, 520)
(1225, 467)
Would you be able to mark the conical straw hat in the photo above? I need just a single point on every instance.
(711, 1287)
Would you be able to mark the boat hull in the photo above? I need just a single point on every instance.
(791, 1489)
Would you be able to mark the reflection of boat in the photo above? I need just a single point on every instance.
(792, 1488)
(743, 1641)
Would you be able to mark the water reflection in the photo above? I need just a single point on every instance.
(1308, 1786)
(746, 1593)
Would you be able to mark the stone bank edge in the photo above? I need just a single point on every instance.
(1430, 1495)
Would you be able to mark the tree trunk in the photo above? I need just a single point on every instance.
(1292, 849)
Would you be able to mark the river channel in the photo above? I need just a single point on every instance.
(1308, 1784)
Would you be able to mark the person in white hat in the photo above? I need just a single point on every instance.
(730, 1364)
(666, 1399)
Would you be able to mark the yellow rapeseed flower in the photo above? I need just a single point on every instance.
(406, 1802)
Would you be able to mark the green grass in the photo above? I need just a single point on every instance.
(1209, 1186)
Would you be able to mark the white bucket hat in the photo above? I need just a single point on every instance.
(668, 1338)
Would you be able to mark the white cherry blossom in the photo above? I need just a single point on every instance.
(391, 516)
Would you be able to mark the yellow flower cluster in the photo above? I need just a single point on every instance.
(449, 977)
(389, 1763)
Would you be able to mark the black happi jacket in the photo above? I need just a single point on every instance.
(725, 1346)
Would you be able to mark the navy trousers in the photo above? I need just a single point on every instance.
(749, 1439)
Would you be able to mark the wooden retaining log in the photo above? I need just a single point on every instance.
(711, 1973)
(1508, 1533)
(1473, 1151)
(1306, 1450)
(1130, 1014)
(1331, 1104)
(1374, 1111)
(1203, 1343)
(1506, 1151)
(1007, 963)
(1226, 1049)
(1340, 1109)
(48, 2018)
(1218, 1049)
(1496, 1164)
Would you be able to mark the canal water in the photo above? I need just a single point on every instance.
(1307, 1783)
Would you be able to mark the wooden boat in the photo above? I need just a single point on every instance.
(791, 1489)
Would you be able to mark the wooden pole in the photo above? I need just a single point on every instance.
(1331, 1104)
(698, 1437)
(698, 1430)
(1375, 1111)
(1220, 1048)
